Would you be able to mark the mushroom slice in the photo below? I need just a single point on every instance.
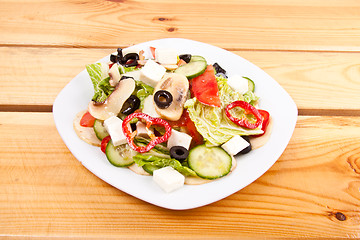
(113, 104)
(178, 86)
(114, 75)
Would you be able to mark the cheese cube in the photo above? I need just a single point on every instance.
(166, 56)
(179, 139)
(130, 50)
(141, 130)
(168, 179)
(152, 73)
(114, 127)
(235, 145)
(149, 106)
(238, 83)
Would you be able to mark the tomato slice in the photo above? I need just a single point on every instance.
(104, 143)
(185, 121)
(205, 88)
(182, 120)
(152, 50)
(87, 120)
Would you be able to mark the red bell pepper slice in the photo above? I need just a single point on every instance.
(243, 121)
(265, 122)
(130, 135)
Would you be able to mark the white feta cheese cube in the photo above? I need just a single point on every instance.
(131, 50)
(179, 139)
(166, 56)
(168, 179)
(134, 74)
(238, 83)
(149, 106)
(152, 73)
(114, 127)
(235, 145)
(141, 130)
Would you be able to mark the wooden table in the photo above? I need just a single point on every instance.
(312, 48)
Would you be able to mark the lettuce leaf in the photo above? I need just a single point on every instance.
(160, 162)
(142, 90)
(212, 123)
(99, 75)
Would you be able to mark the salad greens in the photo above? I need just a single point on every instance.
(160, 162)
(212, 123)
(99, 75)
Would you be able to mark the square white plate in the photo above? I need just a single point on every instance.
(77, 94)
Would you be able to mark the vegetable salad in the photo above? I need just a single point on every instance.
(174, 116)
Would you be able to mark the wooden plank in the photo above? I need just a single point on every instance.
(312, 191)
(32, 77)
(280, 24)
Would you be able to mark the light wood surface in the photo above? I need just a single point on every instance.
(310, 47)
(45, 190)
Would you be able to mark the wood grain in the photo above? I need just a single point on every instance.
(310, 192)
(319, 82)
(280, 24)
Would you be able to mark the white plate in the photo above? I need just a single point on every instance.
(77, 94)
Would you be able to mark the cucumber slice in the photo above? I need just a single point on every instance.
(100, 130)
(192, 69)
(209, 162)
(196, 58)
(149, 168)
(251, 84)
(119, 156)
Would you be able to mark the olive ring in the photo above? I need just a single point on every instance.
(130, 105)
(163, 99)
(179, 153)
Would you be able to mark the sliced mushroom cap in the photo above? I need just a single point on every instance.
(113, 104)
(114, 75)
(178, 86)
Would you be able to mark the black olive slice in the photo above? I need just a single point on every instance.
(163, 99)
(120, 54)
(179, 153)
(130, 105)
(248, 148)
(185, 57)
(130, 59)
(219, 69)
(125, 77)
(114, 58)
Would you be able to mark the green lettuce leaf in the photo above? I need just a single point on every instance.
(99, 75)
(212, 123)
(160, 162)
(142, 90)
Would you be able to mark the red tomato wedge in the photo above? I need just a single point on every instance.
(186, 122)
(152, 50)
(104, 143)
(205, 88)
(87, 120)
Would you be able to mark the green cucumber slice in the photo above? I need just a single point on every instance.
(195, 58)
(209, 162)
(119, 156)
(100, 130)
(251, 84)
(192, 69)
(149, 168)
